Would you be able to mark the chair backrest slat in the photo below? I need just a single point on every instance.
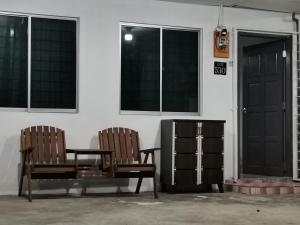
(135, 145)
(110, 143)
(123, 141)
(128, 144)
(48, 144)
(27, 138)
(122, 144)
(105, 140)
(40, 144)
(60, 146)
(116, 148)
(35, 153)
(53, 145)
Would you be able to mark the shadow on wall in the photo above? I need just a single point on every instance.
(94, 143)
(147, 182)
(157, 153)
(9, 164)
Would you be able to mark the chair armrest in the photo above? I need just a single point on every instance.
(106, 152)
(69, 150)
(147, 152)
(26, 150)
(150, 150)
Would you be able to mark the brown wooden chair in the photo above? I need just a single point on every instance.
(44, 156)
(127, 155)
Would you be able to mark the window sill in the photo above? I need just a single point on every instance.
(151, 113)
(4, 109)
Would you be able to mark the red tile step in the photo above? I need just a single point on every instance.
(260, 186)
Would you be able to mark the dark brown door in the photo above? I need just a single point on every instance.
(263, 109)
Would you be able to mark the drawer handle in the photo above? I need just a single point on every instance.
(198, 131)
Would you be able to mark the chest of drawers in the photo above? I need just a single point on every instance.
(192, 154)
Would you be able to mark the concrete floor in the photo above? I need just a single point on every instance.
(131, 209)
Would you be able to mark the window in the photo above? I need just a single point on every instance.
(140, 67)
(13, 61)
(51, 80)
(159, 69)
(180, 71)
(53, 63)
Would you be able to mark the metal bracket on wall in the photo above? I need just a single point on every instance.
(173, 153)
(199, 153)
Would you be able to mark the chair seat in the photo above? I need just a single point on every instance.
(134, 168)
(52, 171)
(53, 168)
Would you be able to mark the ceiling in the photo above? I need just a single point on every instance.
(270, 5)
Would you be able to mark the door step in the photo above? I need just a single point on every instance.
(263, 186)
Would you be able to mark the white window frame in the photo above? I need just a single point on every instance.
(44, 110)
(200, 60)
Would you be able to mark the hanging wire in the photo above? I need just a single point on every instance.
(220, 16)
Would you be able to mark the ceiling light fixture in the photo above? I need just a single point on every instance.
(128, 37)
(12, 32)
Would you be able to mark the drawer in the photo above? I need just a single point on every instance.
(211, 161)
(185, 145)
(212, 176)
(186, 177)
(212, 145)
(186, 129)
(210, 129)
(185, 161)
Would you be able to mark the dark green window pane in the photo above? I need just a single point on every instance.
(140, 69)
(13, 61)
(53, 64)
(180, 71)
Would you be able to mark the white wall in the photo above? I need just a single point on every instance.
(99, 73)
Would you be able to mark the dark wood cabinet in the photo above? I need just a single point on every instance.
(192, 154)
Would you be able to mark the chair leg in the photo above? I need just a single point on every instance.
(21, 184)
(221, 188)
(22, 176)
(154, 186)
(29, 184)
(83, 190)
(138, 186)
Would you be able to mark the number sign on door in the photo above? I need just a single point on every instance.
(220, 68)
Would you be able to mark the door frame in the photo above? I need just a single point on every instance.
(288, 133)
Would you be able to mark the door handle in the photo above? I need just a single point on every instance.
(244, 110)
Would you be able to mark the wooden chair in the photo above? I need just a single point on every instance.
(127, 155)
(44, 156)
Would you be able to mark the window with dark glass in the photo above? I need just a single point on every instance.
(159, 69)
(180, 71)
(52, 68)
(13, 61)
(53, 63)
(140, 76)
